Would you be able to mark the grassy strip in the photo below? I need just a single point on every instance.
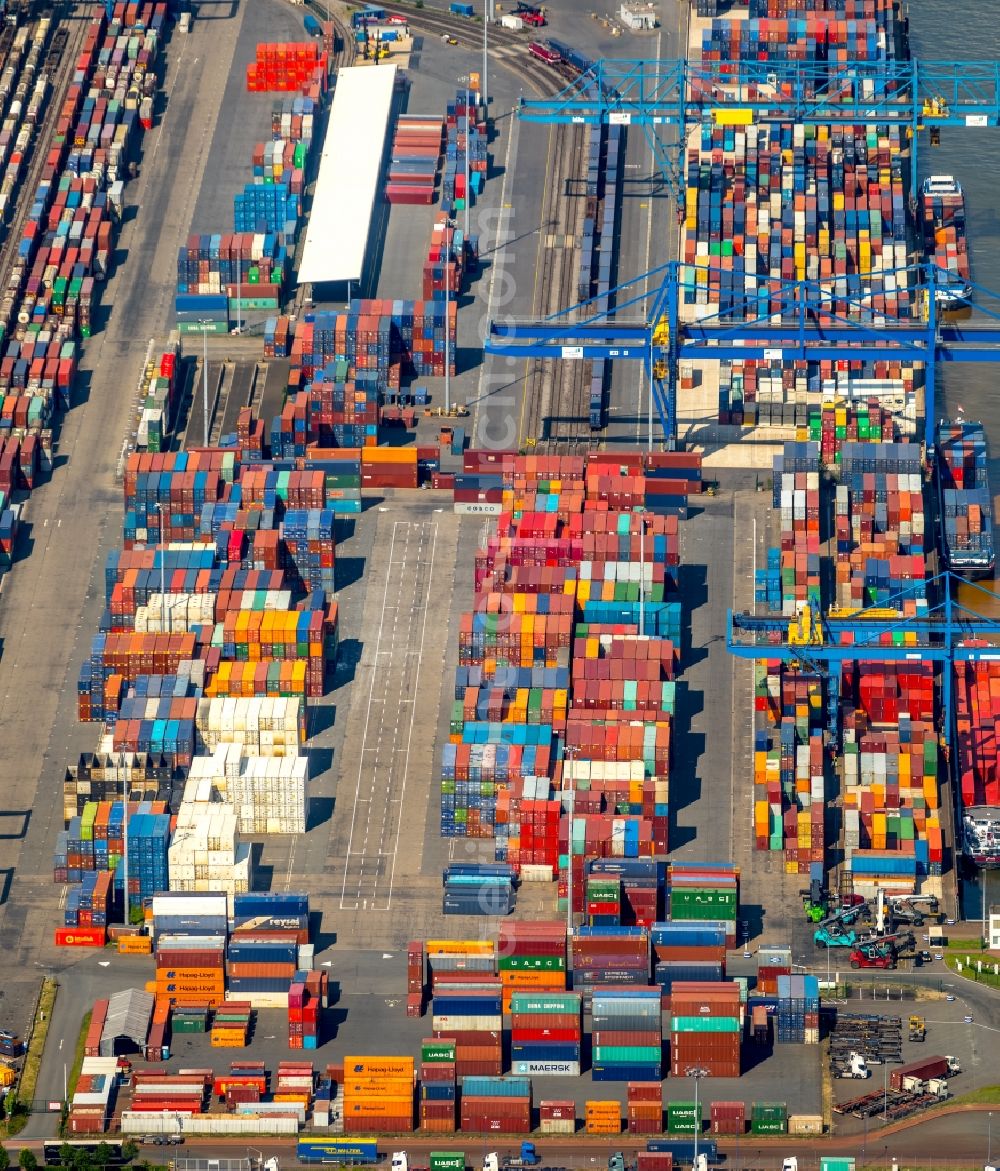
(78, 1054)
(39, 1034)
(968, 972)
(984, 1096)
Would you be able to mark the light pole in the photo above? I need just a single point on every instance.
(487, 12)
(466, 80)
(447, 319)
(885, 1092)
(468, 193)
(204, 378)
(697, 1072)
(570, 757)
(649, 422)
(163, 579)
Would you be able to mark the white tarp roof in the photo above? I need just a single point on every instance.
(349, 172)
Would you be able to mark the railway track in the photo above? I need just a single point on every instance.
(60, 53)
(557, 413)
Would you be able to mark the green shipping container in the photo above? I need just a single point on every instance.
(768, 1126)
(534, 964)
(627, 1054)
(682, 1118)
(769, 1110)
(704, 1024)
(447, 1161)
(836, 1163)
(213, 327)
(439, 1052)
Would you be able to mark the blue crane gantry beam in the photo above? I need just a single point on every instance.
(940, 634)
(780, 320)
(676, 92)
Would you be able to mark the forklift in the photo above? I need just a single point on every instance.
(837, 930)
(814, 901)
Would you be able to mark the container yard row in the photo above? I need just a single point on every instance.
(90, 144)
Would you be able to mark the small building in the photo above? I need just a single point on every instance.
(126, 1025)
(993, 929)
(638, 15)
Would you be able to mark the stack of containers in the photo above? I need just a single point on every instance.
(245, 1082)
(304, 1003)
(557, 1117)
(601, 955)
(602, 1117)
(546, 1033)
(289, 67)
(190, 968)
(880, 525)
(531, 957)
(93, 1098)
(496, 1104)
(261, 968)
(438, 1085)
(473, 1018)
(769, 1118)
(231, 1025)
(158, 390)
(466, 135)
(627, 1037)
(705, 891)
(294, 1084)
(378, 1095)
(416, 978)
(977, 708)
(705, 1028)
(644, 1108)
(471, 888)
(87, 904)
(205, 853)
(444, 268)
(177, 1094)
(684, 1118)
(774, 962)
(728, 1118)
(798, 1010)
(789, 765)
(390, 337)
(148, 865)
(639, 879)
(414, 160)
(526, 825)
(685, 950)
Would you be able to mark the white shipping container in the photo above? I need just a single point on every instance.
(472, 1024)
(261, 1108)
(174, 905)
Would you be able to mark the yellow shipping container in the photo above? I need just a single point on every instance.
(380, 1067)
(464, 947)
(134, 945)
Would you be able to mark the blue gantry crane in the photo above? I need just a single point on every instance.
(780, 320)
(945, 632)
(674, 92)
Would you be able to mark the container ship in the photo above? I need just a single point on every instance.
(945, 241)
(978, 761)
(965, 498)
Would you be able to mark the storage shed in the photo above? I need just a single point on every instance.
(637, 15)
(126, 1026)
